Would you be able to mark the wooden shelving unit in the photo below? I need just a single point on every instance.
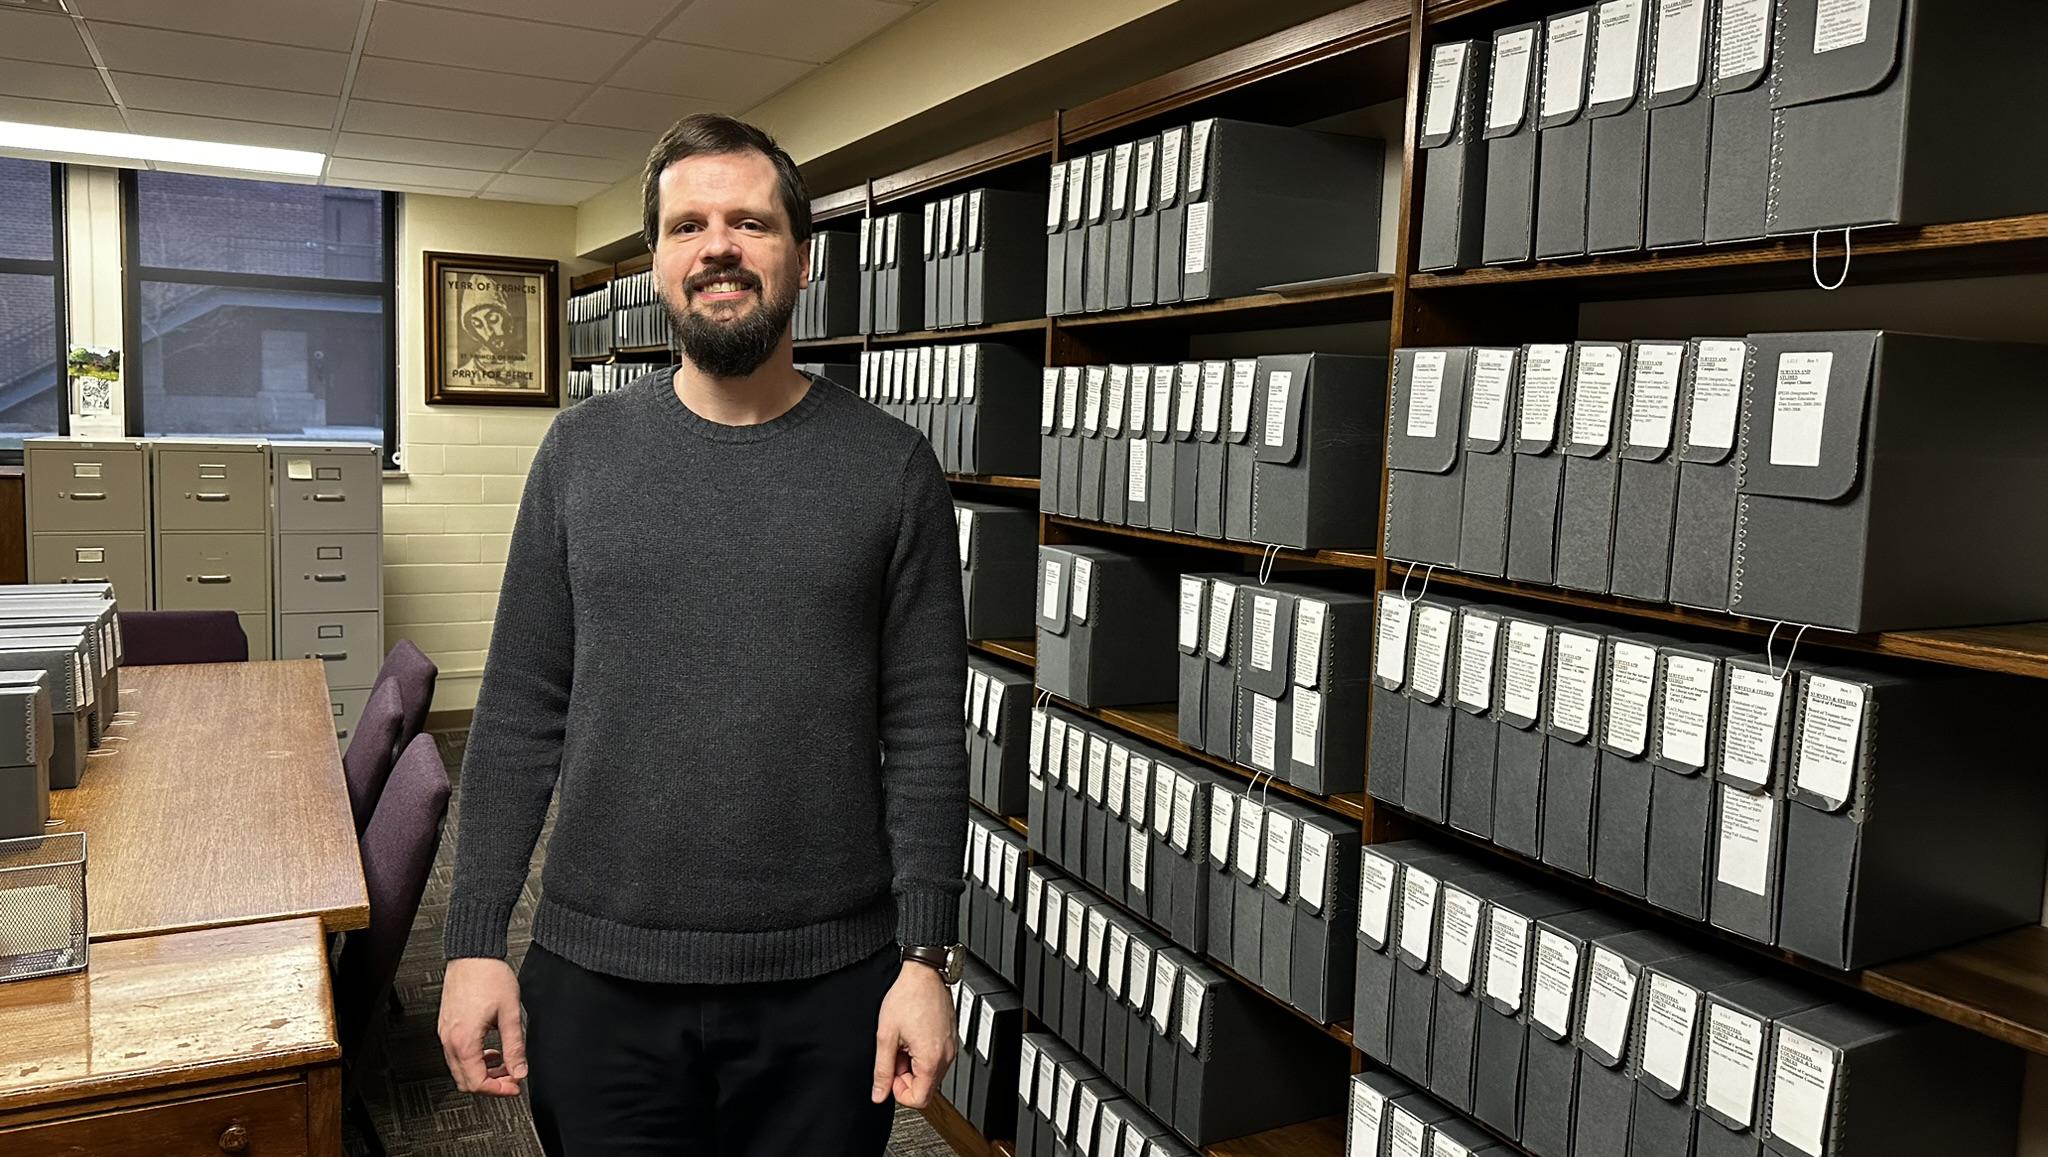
(1376, 51)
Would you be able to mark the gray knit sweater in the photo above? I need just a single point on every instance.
(707, 639)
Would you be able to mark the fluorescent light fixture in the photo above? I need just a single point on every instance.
(172, 150)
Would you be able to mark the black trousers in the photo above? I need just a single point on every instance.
(623, 1068)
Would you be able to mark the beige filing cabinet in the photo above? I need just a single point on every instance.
(212, 505)
(330, 565)
(89, 514)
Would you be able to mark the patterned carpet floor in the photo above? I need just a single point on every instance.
(415, 1105)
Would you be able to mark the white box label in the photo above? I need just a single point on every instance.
(1432, 648)
(1375, 895)
(1507, 959)
(1599, 373)
(1610, 1000)
(1564, 64)
(1668, 1020)
(1425, 392)
(1825, 763)
(1748, 823)
(1446, 69)
(1571, 699)
(1418, 913)
(1619, 52)
(1390, 652)
(1840, 24)
(1460, 938)
(1680, 26)
(1630, 684)
(1749, 728)
(1734, 1044)
(1510, 95)
(1716, 394)
(1477, 638)
(1654, 397)
(1802, 1079)
(1557, 976)
(1800, 408)
(1522, 673)
(1492, 371)
(1542, 383)
(1688, 710)
(1309, 616)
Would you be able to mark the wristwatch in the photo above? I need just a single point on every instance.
(948, 960)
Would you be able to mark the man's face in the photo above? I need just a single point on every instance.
(726, 261)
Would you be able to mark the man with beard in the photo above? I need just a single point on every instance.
(730, 640)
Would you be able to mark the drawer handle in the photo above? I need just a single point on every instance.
(211, 496)
(329, 656)
(87, 496)
(318, 497)
(234, 1139)
(215, 579)
(86, 578)
(330, 577)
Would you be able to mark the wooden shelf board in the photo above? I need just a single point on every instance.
(2012, 649)
(823, 343)
(1348, 559)
(588, 359)
(1997, 986)
(844, 203)
(1030, 142)
(643, 349)
(1316, 41)
(1159, 725)
(1024, 651)
(590, 280)
(1323, 1138)
(1369, 299)
(1962, 249)
(960, 333)
(1002, 481)
(956, 1130)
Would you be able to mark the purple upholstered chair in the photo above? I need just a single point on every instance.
(153, 638)
(398, 853)
(372, 749)
(414, 673)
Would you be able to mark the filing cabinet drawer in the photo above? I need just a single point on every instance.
(347, 707)
(211, 489)
(351, 643)
(257, 628)
(207, 572)
(271, 1122)
(328, 572)
(75, 486)
(327, 489)
(121, 559)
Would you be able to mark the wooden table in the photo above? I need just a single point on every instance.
(217, 1041)
(216, 799)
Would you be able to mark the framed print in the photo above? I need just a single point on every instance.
(493, 326)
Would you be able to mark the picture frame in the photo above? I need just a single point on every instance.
(493, 330)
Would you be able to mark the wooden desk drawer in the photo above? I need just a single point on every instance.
(271, 1123)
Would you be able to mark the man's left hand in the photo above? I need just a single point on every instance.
(914, 1043)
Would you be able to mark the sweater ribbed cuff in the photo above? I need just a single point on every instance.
(927, 917)
(476, 928)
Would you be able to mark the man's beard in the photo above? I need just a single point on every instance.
(733, 349)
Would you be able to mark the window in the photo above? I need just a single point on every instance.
(260, 309)
(31, 302)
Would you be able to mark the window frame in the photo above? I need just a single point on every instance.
(134, 273)
(54, 269)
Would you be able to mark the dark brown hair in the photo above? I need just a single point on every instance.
(711, 135)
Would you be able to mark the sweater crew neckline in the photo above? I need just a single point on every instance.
(670, 403)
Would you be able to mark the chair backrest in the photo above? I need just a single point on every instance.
(372, 749)
(414, 673)
(154, 638)
(398, 854)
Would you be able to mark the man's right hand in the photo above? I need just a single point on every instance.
(477, 995)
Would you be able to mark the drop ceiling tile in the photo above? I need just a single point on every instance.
(329, 24)
(41, 36)
(545, 190)
(449, 154)
(376, 174)
(625, 108)
(473, 40)
(126, 48)
(445, 86)
(230, 101)
(801, 29)
(733, 79)
(590, 141)
(570, 168)
(28, 110)
(404, 120)
(232, 132)
(635, 17)
(33, 78)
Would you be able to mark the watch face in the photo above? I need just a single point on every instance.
(956, 964)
